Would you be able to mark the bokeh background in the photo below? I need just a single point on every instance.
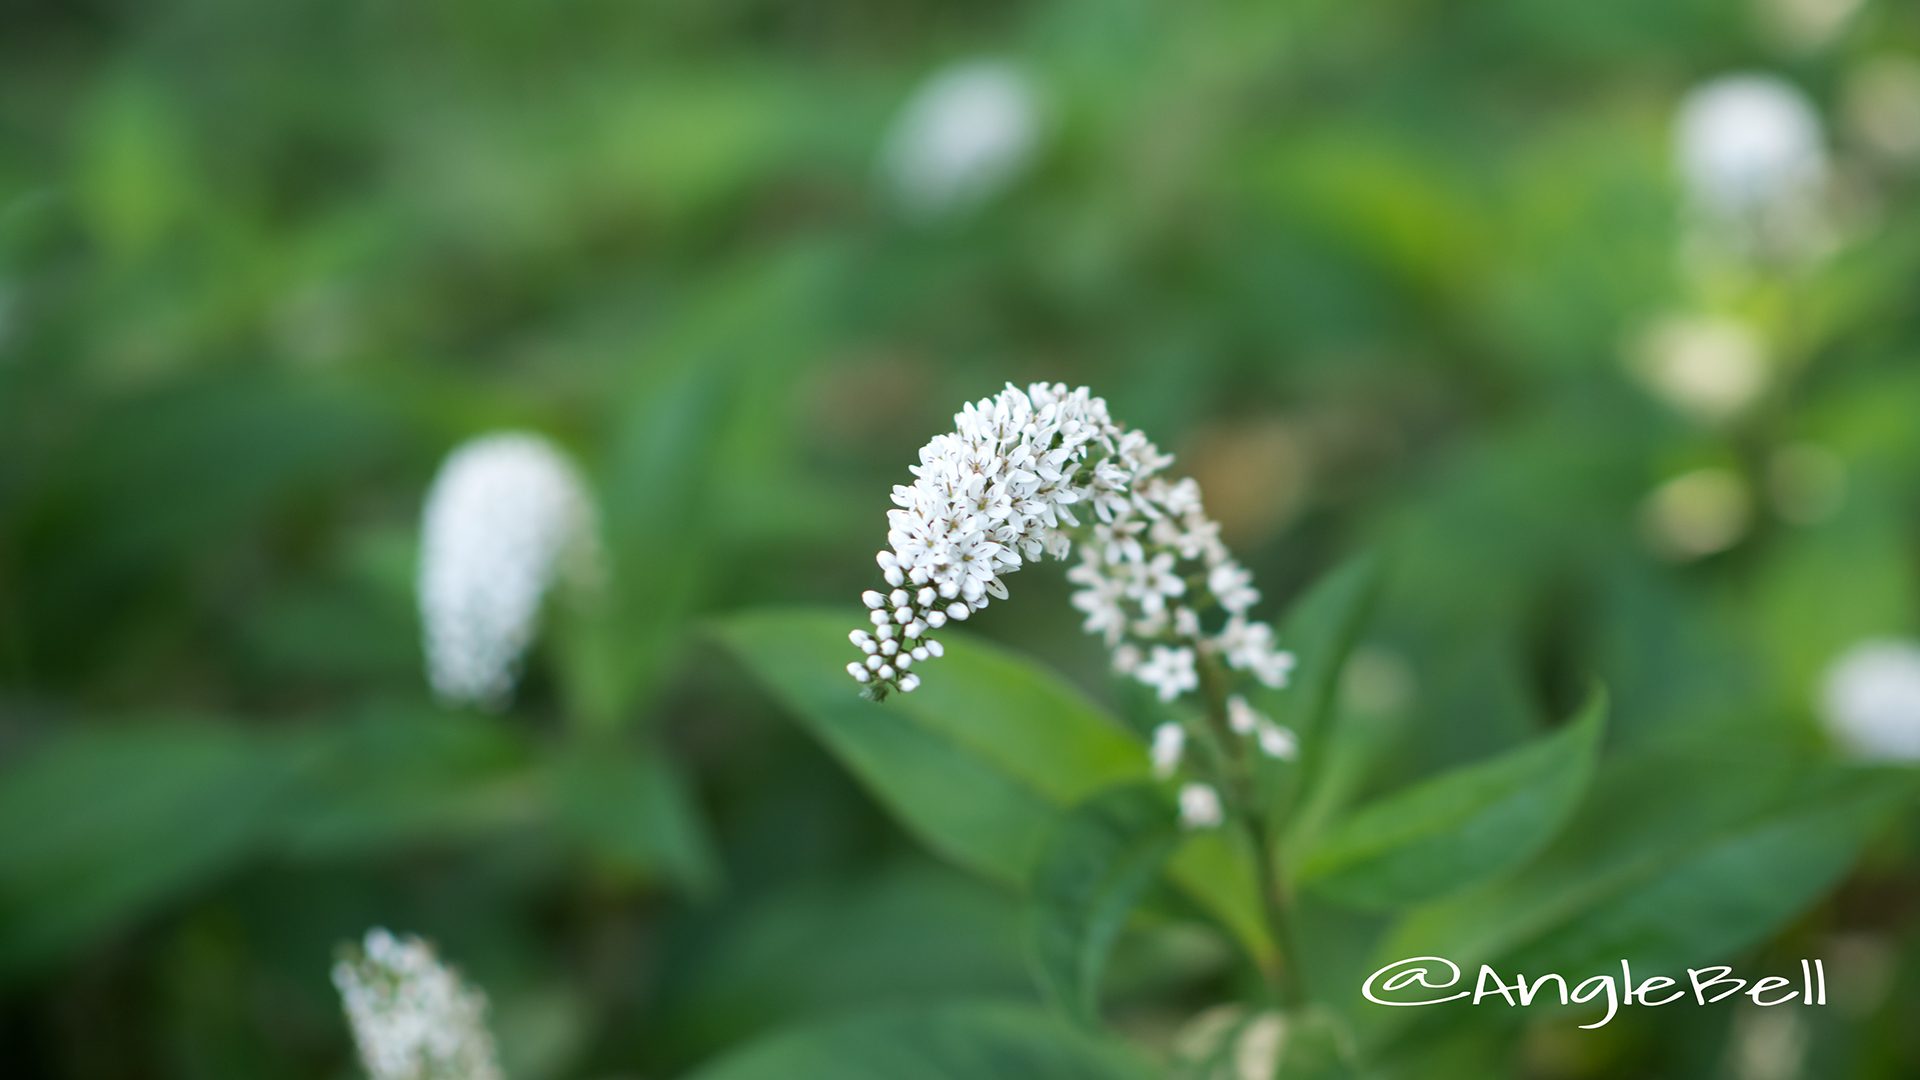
(1403, 276)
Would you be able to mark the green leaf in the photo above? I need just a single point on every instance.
(981, 759)
(948, 1042)
(655, 498)
(105, 824)
(1092, 872)
(1321, 629)
(1683, 856)
(1456, 829)
(631, 811)
(390, 778)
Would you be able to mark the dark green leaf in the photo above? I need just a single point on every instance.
(390, 778)
(633, 814)
(103, 825)
(951, 1042)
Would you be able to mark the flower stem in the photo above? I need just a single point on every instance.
(1238, 780)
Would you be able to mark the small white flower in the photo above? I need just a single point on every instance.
(506, 516)
(1278, 742)
(1870, 700)
(963, 137)
(412, 1017)
(1232, 586)
(1169, 670)
(1249, 646)
(1169, 742)
(1200, 807)
(1242, 718)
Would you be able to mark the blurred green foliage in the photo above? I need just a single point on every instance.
(1372, 270)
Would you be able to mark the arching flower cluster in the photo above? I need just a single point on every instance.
(1024, 475)
(412, 1017)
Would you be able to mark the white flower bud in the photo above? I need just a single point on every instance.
(1169, 741)
(859, 673)
(1200, 807)
(1278, 742)
(909, 683)
(873, 599)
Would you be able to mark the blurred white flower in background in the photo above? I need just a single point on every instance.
(506, 516)
(966, 134)
(1870, 699)
(1753, 158)
(1253, 1042)
(1880, 105)
(1709, 367)
(1697, 513)
(1805, 25)
(412, 1017)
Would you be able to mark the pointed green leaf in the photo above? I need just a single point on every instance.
(1454, 830)
(981, 760)
(1663, 874)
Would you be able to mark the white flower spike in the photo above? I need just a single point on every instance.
(506, 516)
(1026, 474)
(412, 1017)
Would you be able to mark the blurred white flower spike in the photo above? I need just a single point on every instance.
(506, 518)
(1870, 700)
(965, 135)
(412, 1017)
(1024, 475)
(1753, 156)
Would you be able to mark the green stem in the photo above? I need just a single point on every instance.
(1242, 792)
